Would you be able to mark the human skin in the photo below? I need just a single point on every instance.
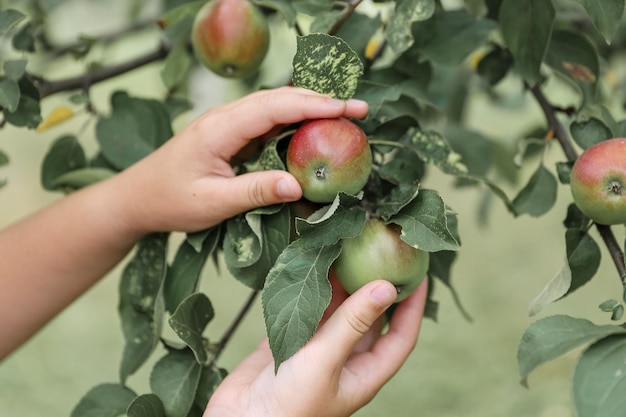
(56, 254)
(338, 371)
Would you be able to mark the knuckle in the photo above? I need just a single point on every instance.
(256, 193)
(357, 321)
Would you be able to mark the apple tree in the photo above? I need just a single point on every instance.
(417, 63)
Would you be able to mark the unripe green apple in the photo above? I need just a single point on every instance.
(598, 182)
(327, 156)
(379, 253)
(230, 37)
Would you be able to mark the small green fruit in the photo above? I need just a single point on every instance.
(327, 156)
(598, 182)
(379, 253)
(230, 37)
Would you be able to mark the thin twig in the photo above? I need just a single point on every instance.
(234, 325)
(566, 144)
(84, 81)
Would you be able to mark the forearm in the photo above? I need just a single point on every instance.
(50, 258)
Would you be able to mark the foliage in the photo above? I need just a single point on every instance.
(417, 63)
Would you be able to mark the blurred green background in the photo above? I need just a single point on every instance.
(459, 368)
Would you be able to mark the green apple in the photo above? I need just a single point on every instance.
(230, 37)
(327, 156)
(598, 182)
(379, 253)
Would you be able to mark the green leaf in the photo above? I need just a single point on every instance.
(180, 13)
(477, 151)
(146, 405)
(9, 95)
(539, 195)
(573, 55)
(184, 274)
(175, 379)
(105, 400)
(344, 218)
(587, 131)
(407, 12)
(141, 302)
(176, 66)
(14, 69)
(65, 155)
(189, 321)
(296, 293)
(326, 64)
(599, 380)
(24, 39)
(424, 223)
(325, 21)
(551, 337)
(526, 27)
(376, 94)
(397, 199)
(605, 15)
(273, 235)
(583, 256)
(357, 30)
(495, 65)
(556, 288)
(135, 128)
(449, 37)
(210, 379)
(80, 178)
(9, 18)
(27, 114)
(284, 7)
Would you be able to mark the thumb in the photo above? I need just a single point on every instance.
(257, 189)
(351, 321)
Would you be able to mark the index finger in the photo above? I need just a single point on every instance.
(235, 124)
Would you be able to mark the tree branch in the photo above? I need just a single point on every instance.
(566, 144)
(228, 334)
(48, 87)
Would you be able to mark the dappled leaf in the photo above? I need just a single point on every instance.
(599, 380)
(424, 223)
(146, 405)
(398, 33)
(175, 379)
(296, 293)
(326, 64)
(272, 235)
(551, 337)
(105, 400)
(141, 302)
(526, 27)
(189, 321)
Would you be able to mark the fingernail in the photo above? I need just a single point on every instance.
(335, 103)
(289, 189)
(384, 295)
(358, 102)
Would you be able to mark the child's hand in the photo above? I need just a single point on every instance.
(338, 371)
(188, 184)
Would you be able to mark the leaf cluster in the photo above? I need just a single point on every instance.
(418, 64)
